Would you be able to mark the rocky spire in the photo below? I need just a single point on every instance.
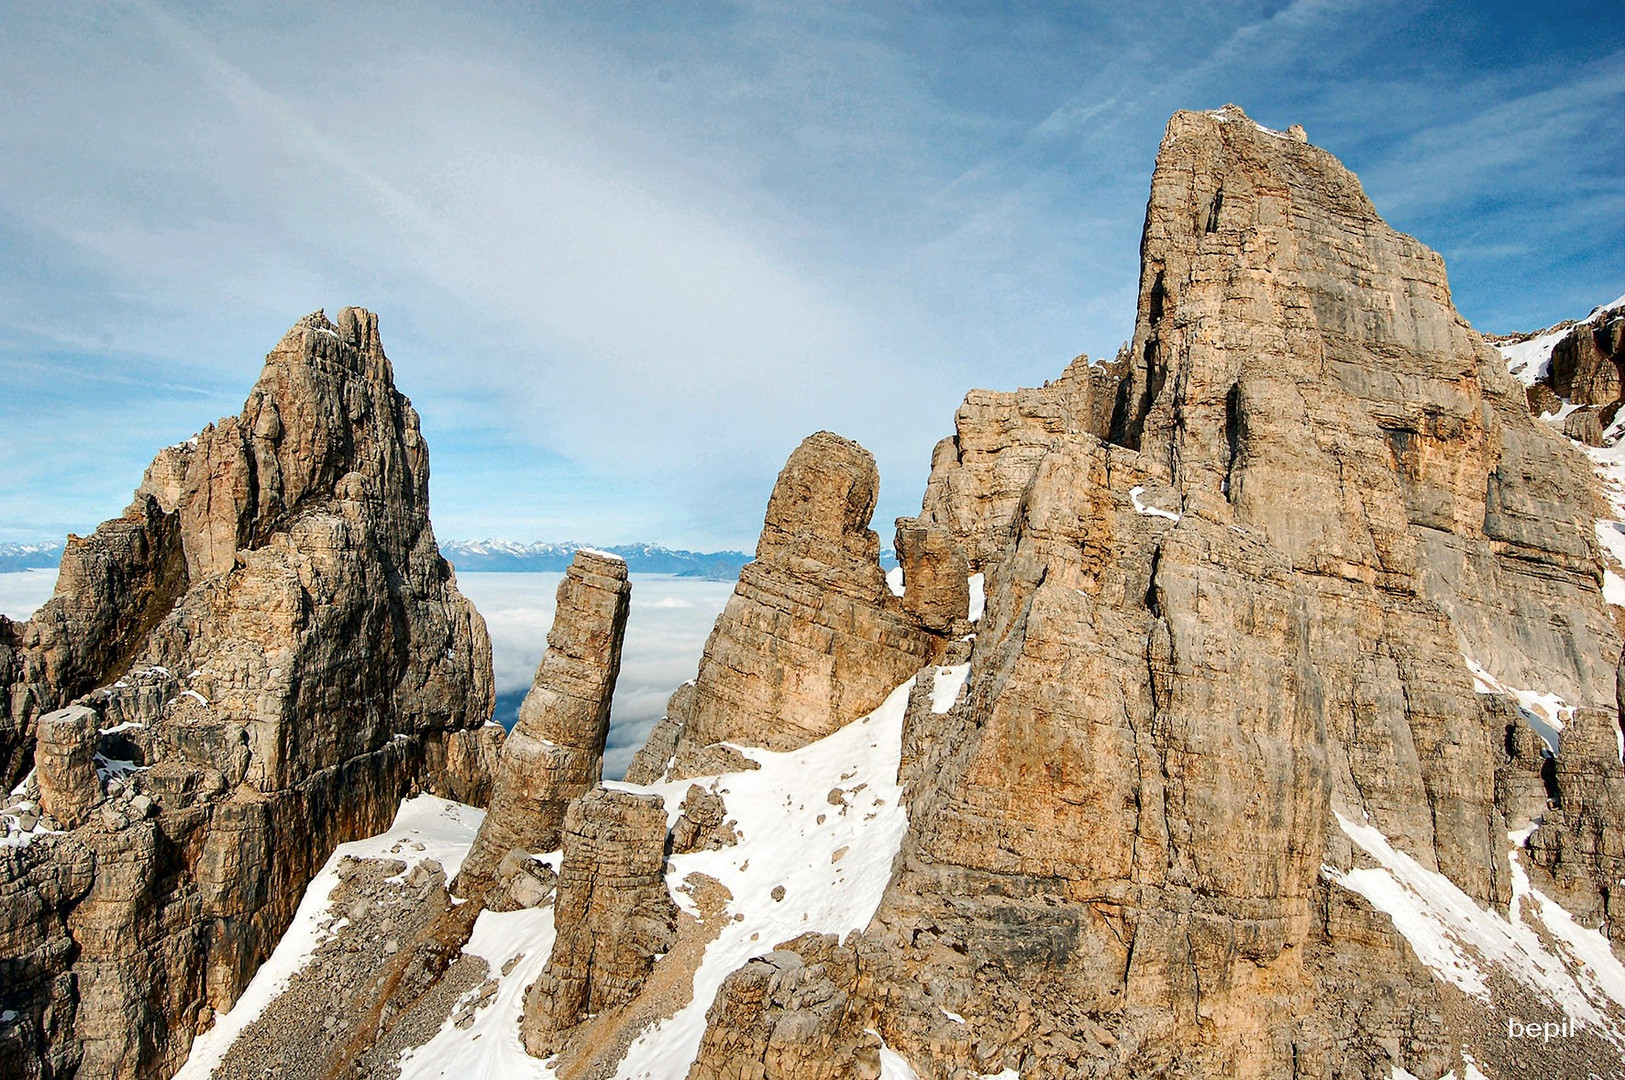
(267, 652)
(613, 914)
(556, 750)
(812, 637)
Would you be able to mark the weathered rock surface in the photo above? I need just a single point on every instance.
(788, 1016)
(613, 914)
(812, 636)
(936, 589)
(556, 749)
(978, 474)
(65, 764)
(1220, 608)
(269, 653)
(702, 824)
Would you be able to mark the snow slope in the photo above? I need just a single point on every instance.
(832, 858)
(824, 823)
(1459, 941)
(424, 828)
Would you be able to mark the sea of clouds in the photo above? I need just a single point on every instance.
(665, 634)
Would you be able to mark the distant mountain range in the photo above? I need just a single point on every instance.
(510, 555)
(499, 555)
(15, 557)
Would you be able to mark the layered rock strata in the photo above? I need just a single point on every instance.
(812, 636)
(936, 579)
(556, 749)
(613, 914)
(979, 473)
(267, 652)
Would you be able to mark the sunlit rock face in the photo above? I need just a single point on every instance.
(267, 652)
(1259, 594)
(812, 637)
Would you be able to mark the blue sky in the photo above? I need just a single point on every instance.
(626, 255)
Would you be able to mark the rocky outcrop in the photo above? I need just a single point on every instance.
(556, 749)
(788, 1016)
(613, 914)
(812, 636)
(1573, 372)
(1587, 362)
(978, 475)
(936, 589)
(65, 764)
(702, 823)
(267, 653)
(1182, 673)
(112, 588)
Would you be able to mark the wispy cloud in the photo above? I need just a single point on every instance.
(626, 259)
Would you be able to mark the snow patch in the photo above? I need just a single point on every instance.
(894, 580)
(1530, 361)
(609, 556)
(1455, 938)
(109, 769)
(1548, 714)
(978, 596)
(490, 1046)
(893, 1066)
(1144, 508)
(945, 688)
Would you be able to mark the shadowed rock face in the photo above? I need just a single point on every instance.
(556, 750)
(812, 637)
(1239, 604)
(1586, 363)
(274, 629)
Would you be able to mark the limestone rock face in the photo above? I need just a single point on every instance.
(556, 749)
(1241, 606)
(979, 474)
(936, 589)
(267, 652)
(613, 914)
(812, 636)
(788, 1016)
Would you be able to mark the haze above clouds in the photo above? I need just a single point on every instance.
(626, 256)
